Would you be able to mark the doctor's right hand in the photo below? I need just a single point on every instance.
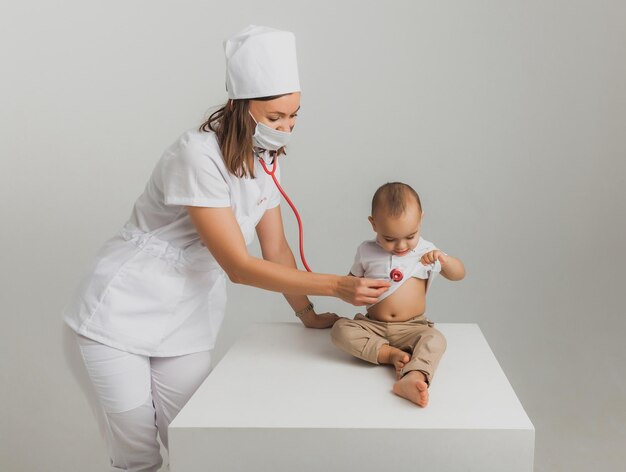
(360, 291)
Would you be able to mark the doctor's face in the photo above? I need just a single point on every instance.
(279, 113)
(400, 234)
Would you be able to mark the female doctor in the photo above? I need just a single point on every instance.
(146, 316)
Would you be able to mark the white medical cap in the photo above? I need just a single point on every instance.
(261, 62)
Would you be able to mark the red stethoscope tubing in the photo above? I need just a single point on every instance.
(293, 207)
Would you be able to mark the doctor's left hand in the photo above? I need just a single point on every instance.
(321, 321)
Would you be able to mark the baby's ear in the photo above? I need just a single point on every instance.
(371, 220)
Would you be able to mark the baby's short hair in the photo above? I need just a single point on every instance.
(392, 197)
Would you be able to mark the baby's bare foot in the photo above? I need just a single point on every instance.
(394, 356)
(399, 359)
(413, 387)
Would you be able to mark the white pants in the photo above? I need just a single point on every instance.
(136, 397)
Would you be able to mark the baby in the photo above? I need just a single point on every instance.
(395, 330)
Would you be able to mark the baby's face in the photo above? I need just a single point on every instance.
(398, 235)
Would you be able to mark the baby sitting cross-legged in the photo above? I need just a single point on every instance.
(395, 330)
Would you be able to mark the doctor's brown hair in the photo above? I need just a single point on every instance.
(392, 197)
(234, 128)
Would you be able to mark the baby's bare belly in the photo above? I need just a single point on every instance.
(405, 303)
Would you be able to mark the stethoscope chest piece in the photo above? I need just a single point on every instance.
(396, 275)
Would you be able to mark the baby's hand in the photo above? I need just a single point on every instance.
(432, 256)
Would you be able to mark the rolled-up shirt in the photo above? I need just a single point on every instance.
(372, 261)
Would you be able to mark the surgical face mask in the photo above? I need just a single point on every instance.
(268, 138)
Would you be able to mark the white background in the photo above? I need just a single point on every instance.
(508, 117)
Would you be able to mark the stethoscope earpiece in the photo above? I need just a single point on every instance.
(265, 156)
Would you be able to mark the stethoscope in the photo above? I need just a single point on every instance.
(261, 154)
(395, 274)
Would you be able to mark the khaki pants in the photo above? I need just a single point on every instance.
(363, 338)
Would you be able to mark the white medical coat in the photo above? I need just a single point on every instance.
(154, 288)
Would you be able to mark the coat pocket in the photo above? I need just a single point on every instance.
(141, 298)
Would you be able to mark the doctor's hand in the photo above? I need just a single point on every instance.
(360, 291)
(321, 321)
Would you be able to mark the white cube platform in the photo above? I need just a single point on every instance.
(284, 398)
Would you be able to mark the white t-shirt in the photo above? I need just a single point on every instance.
(372, 261)
(155, 289)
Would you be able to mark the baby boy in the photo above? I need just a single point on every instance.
(395, 330)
